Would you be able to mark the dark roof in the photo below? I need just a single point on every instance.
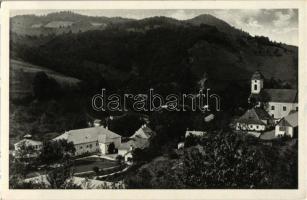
(254, 116)
(257, 76)
(134, 143)
(144, 132)
(268, 135)
(282, 95)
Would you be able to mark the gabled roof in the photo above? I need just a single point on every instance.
(134, 143)
(289, 120)
(282, 95)
(144, 132)
(86, 135)
(29, 142)
(254, 116)
(257, 76)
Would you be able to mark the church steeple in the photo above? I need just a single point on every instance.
(256, 82)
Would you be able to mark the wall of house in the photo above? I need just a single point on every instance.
(278, 111)
(128, 157)
(116, 141)
(283, 130)
(250, 127)
(89, 147)
(122, 152)
(103, 148)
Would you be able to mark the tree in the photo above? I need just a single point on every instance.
(61, 177)
(111, 148)
(23, 160)
(57, 151)
(120, 159)
(45, 87)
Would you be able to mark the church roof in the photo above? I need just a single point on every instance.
(289, 120)
(254, 116)
(257, 76)
(86, 135)
(282, 95)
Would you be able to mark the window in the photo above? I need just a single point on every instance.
(257, 127)
(284, 108)
(255, 87)
(272, 107)
(81, 147)
(86, 146)
(90, 145)
(273, 115)
(296, 108)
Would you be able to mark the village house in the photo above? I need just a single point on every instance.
(188, 133)
(195, 133)
(28, 143)
(254, 121)
(140, 139)
(91, 140)
(277, 102)
(287, 126)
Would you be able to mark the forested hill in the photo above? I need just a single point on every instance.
(155, 52)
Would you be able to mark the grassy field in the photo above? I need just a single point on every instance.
(87, 164)
(22, 74)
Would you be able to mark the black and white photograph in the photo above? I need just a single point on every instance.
(153, 99)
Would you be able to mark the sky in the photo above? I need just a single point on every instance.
(279, 25)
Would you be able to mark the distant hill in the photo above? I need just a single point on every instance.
(156, 51)
(59, 23)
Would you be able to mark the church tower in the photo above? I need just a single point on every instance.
(256, 82)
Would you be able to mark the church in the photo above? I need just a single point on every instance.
(277, 102)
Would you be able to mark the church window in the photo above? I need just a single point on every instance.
(284, 108)
(272, 107)
(255, 87)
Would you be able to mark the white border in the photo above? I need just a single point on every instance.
(152, 194)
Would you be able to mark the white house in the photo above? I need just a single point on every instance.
(277, 102)
(287, 126)
(144, 132)
(91, 140)
(35, 145)
(254, 120)
(140, 139)
(195, 133)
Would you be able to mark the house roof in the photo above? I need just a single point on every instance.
(29, 142)
(86, 135)
(257, 76)
(134, 143)
(289, 120)
(254, 116)
(144, 132)
(282, 95)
